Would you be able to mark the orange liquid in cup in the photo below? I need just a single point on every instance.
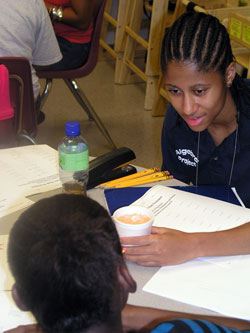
(133, 218)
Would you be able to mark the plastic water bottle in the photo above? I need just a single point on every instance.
(73, 160)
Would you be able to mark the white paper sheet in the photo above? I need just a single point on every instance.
(6, 278)
(220, 284)
(190, 212)
(11, 201)
(25, 171)
(29, 169)
(220, 288)
(11, 316)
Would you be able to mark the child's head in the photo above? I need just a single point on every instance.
(199, 39)
(65, 254)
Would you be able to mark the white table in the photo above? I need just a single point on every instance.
(139, 273)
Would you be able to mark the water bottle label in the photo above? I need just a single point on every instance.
(74, 162)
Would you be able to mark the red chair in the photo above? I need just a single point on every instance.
(69, 77)
(21, 97)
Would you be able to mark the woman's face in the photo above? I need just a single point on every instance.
(198, 97)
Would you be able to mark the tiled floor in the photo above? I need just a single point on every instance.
(121, 108)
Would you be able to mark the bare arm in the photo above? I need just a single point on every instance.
(80, 15)
(170, 247)
(137, 318)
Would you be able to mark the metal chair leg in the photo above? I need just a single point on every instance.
(26, 136)
(87, 107)
(45, 92)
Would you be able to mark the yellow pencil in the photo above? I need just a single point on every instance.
(147, 177)
(142, 181)
(134, 175)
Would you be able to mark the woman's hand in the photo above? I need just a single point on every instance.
(170, 247)
(163, 247)
(79, 15)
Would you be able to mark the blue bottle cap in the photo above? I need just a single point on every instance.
(72, 128)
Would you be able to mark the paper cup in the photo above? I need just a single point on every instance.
(134, 228)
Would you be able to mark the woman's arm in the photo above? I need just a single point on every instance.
(80, 15)
(138, 318)
(170, 247)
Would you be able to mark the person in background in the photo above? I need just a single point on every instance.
(66, 259)
(7, 133)
(73, 22)
(205, 136)
(26, 31)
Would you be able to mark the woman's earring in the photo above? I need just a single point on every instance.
(229, 84)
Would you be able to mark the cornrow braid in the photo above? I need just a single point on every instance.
(201, 39)
(198, 38)
(240, 90)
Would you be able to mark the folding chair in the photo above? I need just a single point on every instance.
(22, 97)
(69, 77)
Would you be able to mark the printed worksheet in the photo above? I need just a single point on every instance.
(11, 201)
(219, 284)
(190, 212)
(26, 171)
(29, 169)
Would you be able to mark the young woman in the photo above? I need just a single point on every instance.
(205, 137)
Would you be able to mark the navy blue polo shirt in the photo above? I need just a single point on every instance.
(179, 153)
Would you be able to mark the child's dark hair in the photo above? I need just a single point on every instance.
(64, 252)
(202, 40)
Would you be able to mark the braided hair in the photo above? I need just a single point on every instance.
(201, 39)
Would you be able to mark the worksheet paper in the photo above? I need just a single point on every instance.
(11, 201)
(219, 284)
(11, 316)
(220, 288)
(30, 169)
(6, 278)
(26, 171)
(190, 212)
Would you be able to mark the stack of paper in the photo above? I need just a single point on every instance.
(25, 171)
(220, 284)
